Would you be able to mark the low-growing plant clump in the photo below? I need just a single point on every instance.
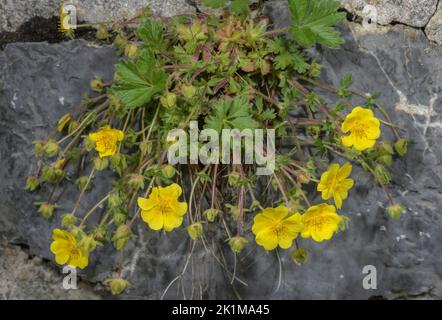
(232, 71)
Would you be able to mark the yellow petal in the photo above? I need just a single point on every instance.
(172, 221)
(268, 239)
(345, 170)
(154, 218)
(145, 204)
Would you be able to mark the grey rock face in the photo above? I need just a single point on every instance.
(23, 277)
(434, 27)
(15, 12)
(41, 82)
(415, 13)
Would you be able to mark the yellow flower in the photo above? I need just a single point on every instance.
(106, 141)
(363, 127)
(335, 183)
(65, 26)
(274, 226)
(320, 222)
(66, 249)
(162, 210)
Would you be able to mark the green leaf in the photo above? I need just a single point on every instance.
(288, 56)
(215, 4)
(239, 6)
(313, 22)
(139, 82)
(234, 114)
(151, 32)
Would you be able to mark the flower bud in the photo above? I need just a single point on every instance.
(211, 214)
(100, 233)
(401, 147)
(89, 144)
(385, 148)
(120, 42)
(395, 211)
(119, 163)
(87, 244)
(63, 122)
(131, 50)
(386, 159)
(237, 244)
(46, 210)
(168, 171)
(81, 183)
(115, 200)
(102, 33)
(303, 177)
(121, 236)
(73, 125)
(101, 163)
(32, 183)
(195, 230)
(68, 220)
(136, 181)
(116, 285)
(51, 148)
(255, 205)
(188, 91)
(38, 147)
(119, 216)
(168, 100)
(97, 85)
(234, 211)
(382, 174)
(145, 147)
(234, 178)
(300, 256)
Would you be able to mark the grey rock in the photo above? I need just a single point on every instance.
(415, 13)
(399, 63)
(434, 27)
(15, 12)
(25, 277)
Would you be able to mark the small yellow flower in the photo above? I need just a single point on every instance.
(162, 210)
(274, 226)
(65, 26)
(106, 141)
(66, 249)
(364, 129)
(335, 183)
(320, 222)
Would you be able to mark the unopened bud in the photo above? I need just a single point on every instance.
(195, 230)
(168, 171)
(211, 214)
(237, 244)
(97, 85)
(116, 286)
(32, 183)
(51, 148)
(395, 211)
(68, 220)
(300, 256)
(188, 90)
(121, 237)
(46, 210)
(168, 100)
(401, 147)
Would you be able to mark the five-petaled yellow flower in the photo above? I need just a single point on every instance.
(363, 127)
(106, 140)
(274, 226)
(320, 222)
(335, 183)
(162, 210)
(66, 249)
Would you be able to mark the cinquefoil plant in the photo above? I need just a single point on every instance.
(229, 72)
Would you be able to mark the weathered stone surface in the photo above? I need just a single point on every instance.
(24, 277)
(434, 27)
(15, 12)
(40, 82)
(415, 13)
